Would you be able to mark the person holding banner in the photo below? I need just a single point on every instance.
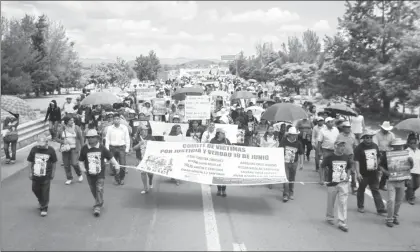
(220, 138)
(293, 157)
(195, 131)
(269, 140)
(337, 166)
(209, 134)
(396, 165)
(146, 109)
(140, 148)
(244, 135)
(177, 132)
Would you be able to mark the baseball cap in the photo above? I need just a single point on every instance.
(329, 119)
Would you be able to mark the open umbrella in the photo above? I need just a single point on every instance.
(412, 124)
(15, 105)
(252, 80)
(219, 93)
(341, 109)
(100, 98)
(242, 95)
(180, 94)
(286, 112)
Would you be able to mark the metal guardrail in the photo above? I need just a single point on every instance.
(28, 132)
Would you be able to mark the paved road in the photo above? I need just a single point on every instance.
(185, 218)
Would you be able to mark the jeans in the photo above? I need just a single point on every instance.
(412, 186)
(317, 158)
(70, 158)
(373, 183)
(395, 198)
(41, 189)
(288, 188)
(53, 128)
(307, 145)
(221, 188)
(118, 152)
(11, 145)
(96, 186)
(340, 192)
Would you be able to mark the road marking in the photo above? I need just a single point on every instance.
(239, 247)
(212, 234)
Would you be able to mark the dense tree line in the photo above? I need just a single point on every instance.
(373, 58)
(37, 56)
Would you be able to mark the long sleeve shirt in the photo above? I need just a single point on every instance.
(118, 136)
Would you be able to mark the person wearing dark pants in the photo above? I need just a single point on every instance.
(10, 146)
(42, 164)
(118, 142)
(118, 152)
(10, 137)
(220, 138)
(366, 157)
(92, 162)
(293, 156)
(414, 183)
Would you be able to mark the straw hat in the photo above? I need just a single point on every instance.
(386, 125)
(292, 131)
(92, 133)
(367, 133)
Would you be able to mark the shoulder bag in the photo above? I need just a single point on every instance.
(64, 147)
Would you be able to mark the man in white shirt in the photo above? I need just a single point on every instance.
(315, 133)
(68, 106)
(326, 140)
(117, 141)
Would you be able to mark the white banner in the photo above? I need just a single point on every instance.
(145, 94)
(215, 164)
(162, 128)
(197, 107)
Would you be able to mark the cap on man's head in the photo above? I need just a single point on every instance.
(319, 119)
(220, 130)
(329, 119)
(69, 98)
(346, 124)
(92, 133)
(339, 141)
(367, 133)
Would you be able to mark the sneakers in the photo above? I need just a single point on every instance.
(219, 193)
(285, 198)
(122, 182)
(343, 228)
(117, 183)
(224, 194)
(96, 212)
(389, 224)
(144, 191)
(44, 213)
(291, 197)
(68, 182)
(396, 222)
(12, 161)
(331, 222)
(80, 178)
(361, 210)
(151, 186)
(7, 161)
(411, 202)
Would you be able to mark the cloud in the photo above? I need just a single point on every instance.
(293, 28)
(271, 16)
(321, 25)
(176, 9)
(213, 15)
(232, 38)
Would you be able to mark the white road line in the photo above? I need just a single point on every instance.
(239, 247)
(212, 234)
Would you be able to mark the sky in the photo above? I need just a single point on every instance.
(197, 30)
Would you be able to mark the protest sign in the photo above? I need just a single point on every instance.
(197, 107)
(398, 165)
(231, 131)
(214, 164)
(162, 128)
(144, 94)
(159, 107)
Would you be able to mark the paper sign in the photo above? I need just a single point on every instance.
(197, 107)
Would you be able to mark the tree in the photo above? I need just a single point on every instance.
(311, 46)
(147, 67)
(294, 76)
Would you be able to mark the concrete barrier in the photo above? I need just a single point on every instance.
(28, 132)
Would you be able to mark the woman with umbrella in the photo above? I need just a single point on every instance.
(220, 138)
(10, 137)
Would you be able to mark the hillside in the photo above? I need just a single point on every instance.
(86, 62)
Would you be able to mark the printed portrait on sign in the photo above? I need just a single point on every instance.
(94, 162)
(339, 171)
(40, 165)
(371, 159)
(289, 154)
(159, 164)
